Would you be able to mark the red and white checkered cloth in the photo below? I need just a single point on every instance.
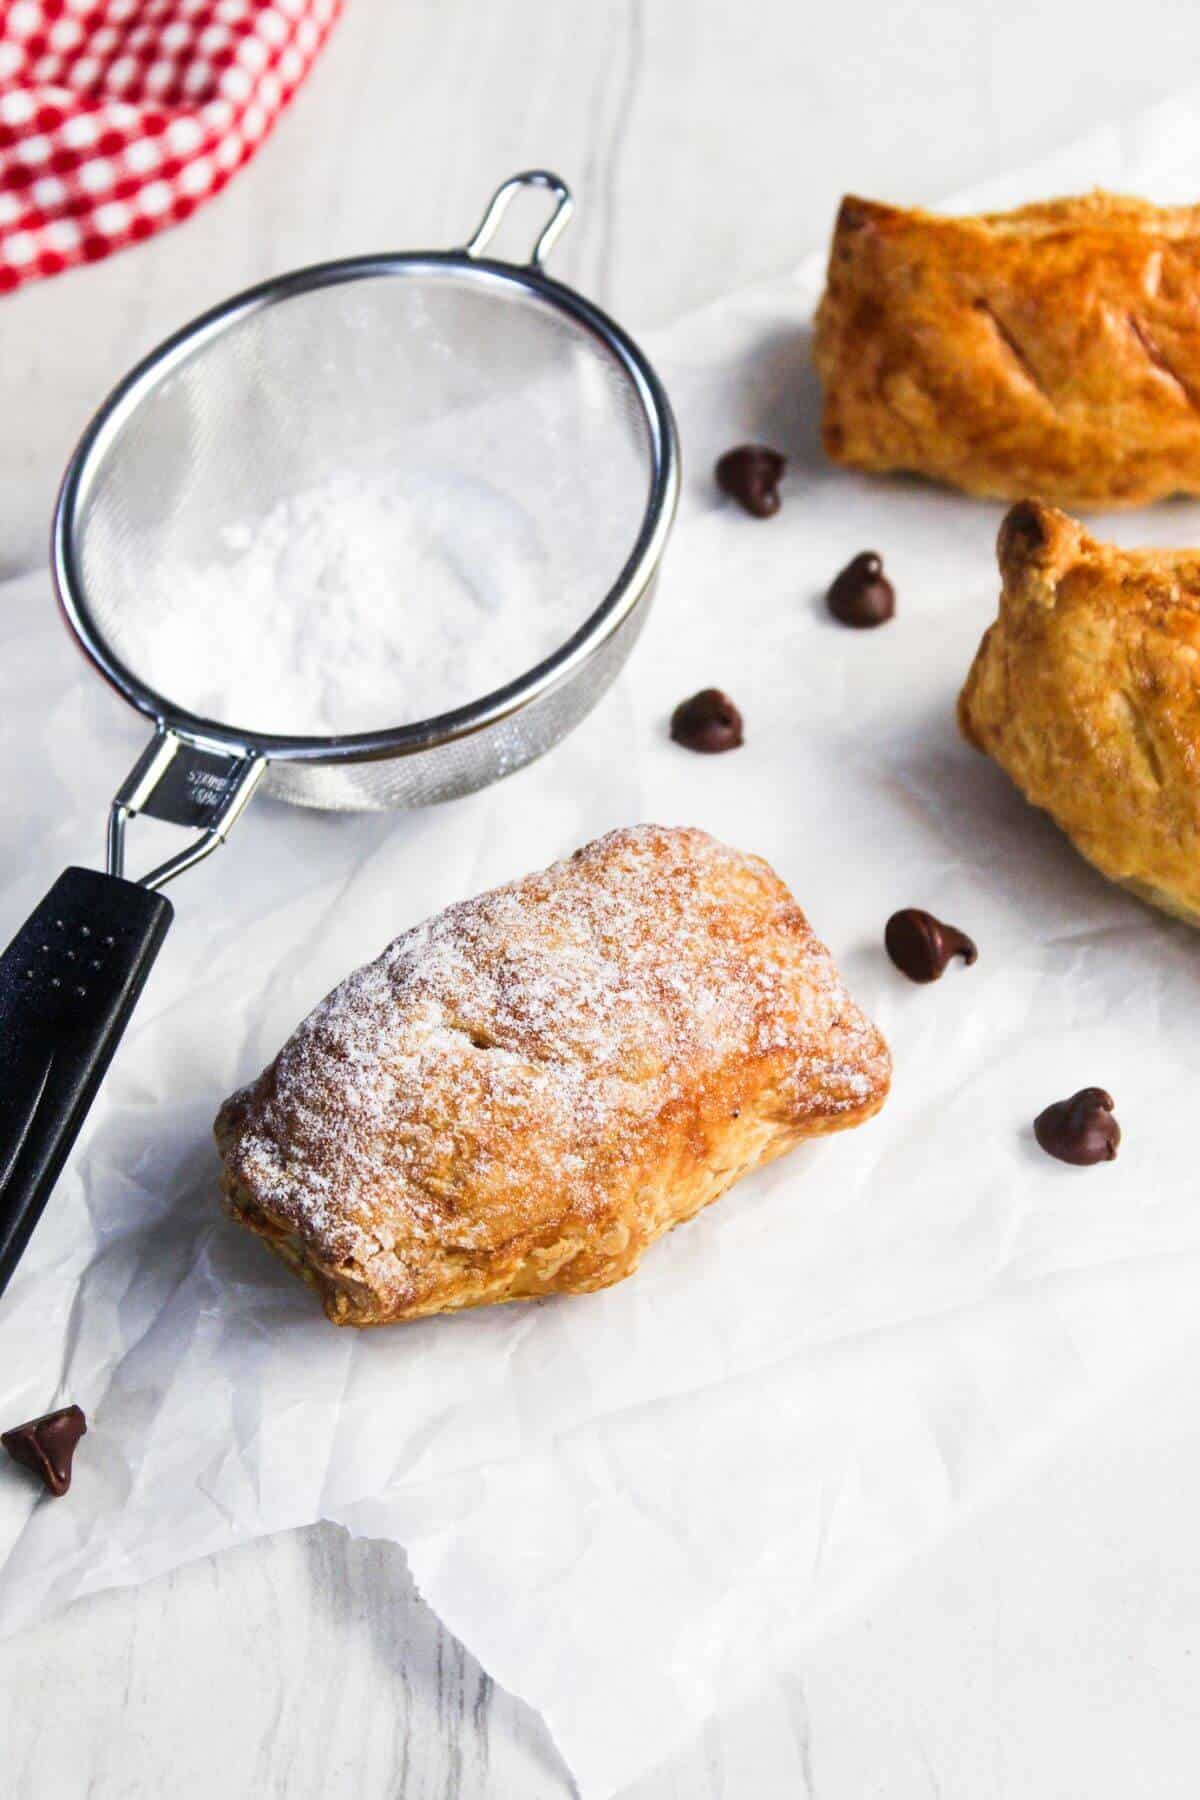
(118, 117)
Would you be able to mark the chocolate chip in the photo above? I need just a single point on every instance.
(1023, 535)
(862, 595)
(47, 1445)
(708, 722)
(750, 475)
(1080, 1130)
(921, 946)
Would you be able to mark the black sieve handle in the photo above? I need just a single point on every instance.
(68, 985)
(71, 977)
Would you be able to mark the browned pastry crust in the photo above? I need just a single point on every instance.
(1086, 691)
(523, 1093)
(1054, 350)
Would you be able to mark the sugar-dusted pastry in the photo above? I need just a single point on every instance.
(1086, 691)
(524, 1092)
(1054, 350)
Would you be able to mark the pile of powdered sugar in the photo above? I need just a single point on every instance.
(356, 605)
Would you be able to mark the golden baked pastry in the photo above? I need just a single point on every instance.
(1086, 691)
(524, 1092)
(1054, 350)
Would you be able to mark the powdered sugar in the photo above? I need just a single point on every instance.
(357, 605)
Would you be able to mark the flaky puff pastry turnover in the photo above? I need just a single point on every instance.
(522, 1093)
(1086, 691)
(1054, 350)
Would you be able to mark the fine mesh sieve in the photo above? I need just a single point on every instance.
(370, 535)
(480, 395)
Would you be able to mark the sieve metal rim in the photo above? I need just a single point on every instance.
(630, 588)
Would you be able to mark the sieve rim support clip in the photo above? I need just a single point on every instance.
(185, 782)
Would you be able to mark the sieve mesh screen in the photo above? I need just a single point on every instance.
(367, 503)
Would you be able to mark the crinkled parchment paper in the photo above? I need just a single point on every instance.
(631, 1504)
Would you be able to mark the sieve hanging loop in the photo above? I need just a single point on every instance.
(502, 199)
(188, 783)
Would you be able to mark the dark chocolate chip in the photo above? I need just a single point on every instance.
(708, 722)
(862, 595)
(750, 475)
(921, 946)
(1023, 535)
(47, 1445)
(1080, 1130)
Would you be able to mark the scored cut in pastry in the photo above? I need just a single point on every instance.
(1054, 350)
(522, 1093)
(1086, 691)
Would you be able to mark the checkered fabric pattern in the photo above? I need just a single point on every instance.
(119, 117)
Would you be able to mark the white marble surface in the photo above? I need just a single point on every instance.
(1052, 1648)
